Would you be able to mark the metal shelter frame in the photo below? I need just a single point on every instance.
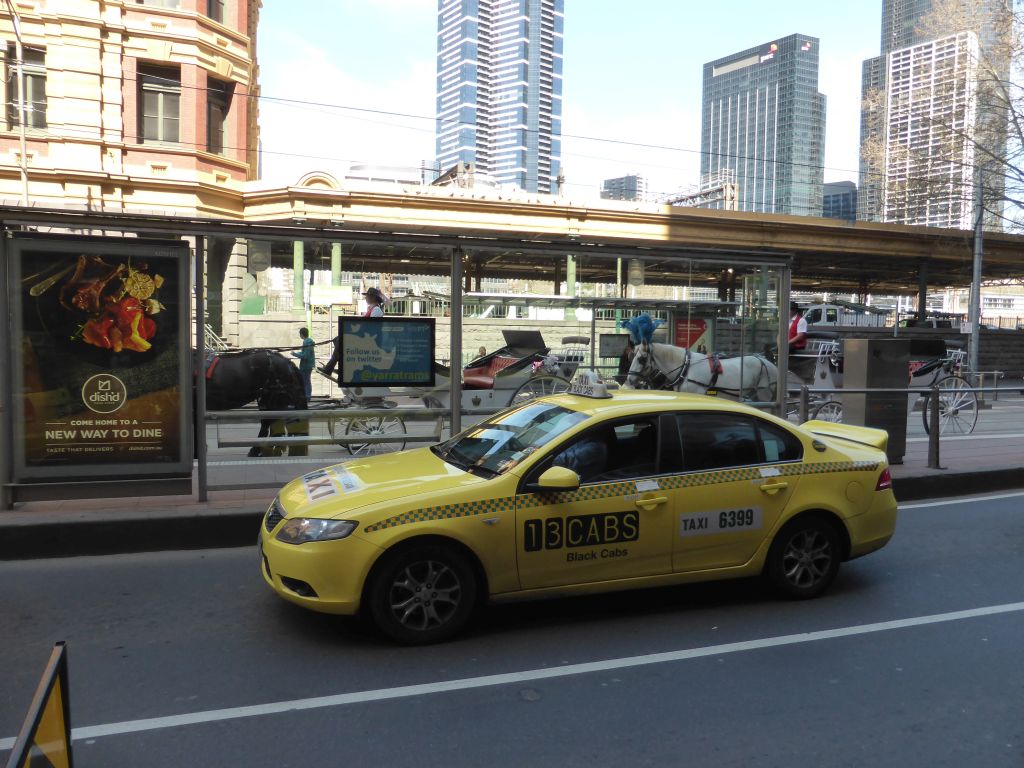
(454, 243)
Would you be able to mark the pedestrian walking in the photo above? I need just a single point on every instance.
(307, 361)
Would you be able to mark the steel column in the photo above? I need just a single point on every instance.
(199, 417)
(335, 263)
(455, 342)
(298, 273)
(6, 403)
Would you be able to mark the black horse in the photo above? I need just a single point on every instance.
(263, 376)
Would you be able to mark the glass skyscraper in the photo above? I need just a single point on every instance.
(900, 19)
(764, 119)
(499, 89)
(920, 110)
(839, 201)
(629, 187)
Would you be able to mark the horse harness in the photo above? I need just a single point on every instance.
(660, 380)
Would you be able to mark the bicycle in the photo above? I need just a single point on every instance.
(958, 403)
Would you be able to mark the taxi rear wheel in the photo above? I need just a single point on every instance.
(804, 558)
(422, 594)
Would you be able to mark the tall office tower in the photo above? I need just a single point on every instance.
(900, 19)
(628, 187)
(764, 119)
(499, 89)
(937, 57)
(839, 201)
(931, 111)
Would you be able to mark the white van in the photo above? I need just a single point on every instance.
(826, 315)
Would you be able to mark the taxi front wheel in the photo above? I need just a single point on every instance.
(804, 558)
(422, 594)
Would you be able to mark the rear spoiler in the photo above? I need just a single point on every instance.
(876, 438)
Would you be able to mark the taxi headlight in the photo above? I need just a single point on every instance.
(299, 530)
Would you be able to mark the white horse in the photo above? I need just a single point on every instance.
(664, 366)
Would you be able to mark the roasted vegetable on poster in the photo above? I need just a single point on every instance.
(114, 302)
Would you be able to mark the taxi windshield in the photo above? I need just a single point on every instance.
(496, 446)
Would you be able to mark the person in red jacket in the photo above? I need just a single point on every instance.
(374, 308)
(797, 327)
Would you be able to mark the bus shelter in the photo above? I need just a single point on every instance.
(728, 302)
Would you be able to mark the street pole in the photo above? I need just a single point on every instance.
(974, 306)
(455, 342)
(19, 53)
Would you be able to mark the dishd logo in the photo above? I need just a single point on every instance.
(104, 393)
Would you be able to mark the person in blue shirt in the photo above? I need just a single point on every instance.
(307, 361)
(588, 457)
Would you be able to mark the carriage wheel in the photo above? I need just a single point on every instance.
(958, 407)
(538, 386)
(831, 410)
(374, 426)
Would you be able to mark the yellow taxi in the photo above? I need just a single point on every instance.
(582, 492)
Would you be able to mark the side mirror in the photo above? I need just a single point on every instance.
(556, 479)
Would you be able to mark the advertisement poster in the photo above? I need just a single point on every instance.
(387, 351)
(694, 333)
(102, 374)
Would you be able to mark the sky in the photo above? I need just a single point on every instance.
(353, 81)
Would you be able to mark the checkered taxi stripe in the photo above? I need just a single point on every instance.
(446, 512)
(611, 490)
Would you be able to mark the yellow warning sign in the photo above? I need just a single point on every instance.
(45, 738)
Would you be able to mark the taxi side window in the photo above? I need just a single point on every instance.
(778, 444)
(717, 440)
(613, 453)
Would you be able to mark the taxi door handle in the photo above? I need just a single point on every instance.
(651, 503)
(772, 488)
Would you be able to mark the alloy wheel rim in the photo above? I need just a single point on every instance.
(425, 595)
(807, 559)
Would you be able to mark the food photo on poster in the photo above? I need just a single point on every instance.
(102, 348)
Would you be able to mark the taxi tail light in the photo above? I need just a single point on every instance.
(884, 481)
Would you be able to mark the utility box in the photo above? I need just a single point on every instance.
(878, 364)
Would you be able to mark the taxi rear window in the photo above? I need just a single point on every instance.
(498, 445)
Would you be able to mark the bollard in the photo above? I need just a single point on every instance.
(933, 429)
(804, 396)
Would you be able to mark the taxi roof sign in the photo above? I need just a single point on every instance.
(589, 384)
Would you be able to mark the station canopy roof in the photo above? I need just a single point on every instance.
(414, 235)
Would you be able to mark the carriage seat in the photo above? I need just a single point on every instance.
(482, 377)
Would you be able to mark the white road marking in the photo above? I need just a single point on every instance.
(960, 438)
(963, 500)
(516, 678)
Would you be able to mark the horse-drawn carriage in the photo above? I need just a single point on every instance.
(751, 378)
(524, 368)
(933, 363)
(819, 367)
(521, 370)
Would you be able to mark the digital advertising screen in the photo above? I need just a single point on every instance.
(386, 351)
(612, 344)
(102, 371)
